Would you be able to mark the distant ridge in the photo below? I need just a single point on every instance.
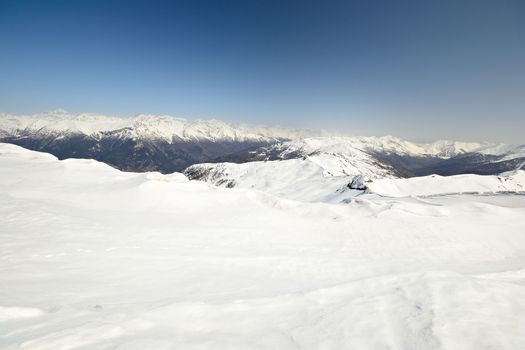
(145, 126)
(167, 144)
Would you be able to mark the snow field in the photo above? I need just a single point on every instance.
(94, 258)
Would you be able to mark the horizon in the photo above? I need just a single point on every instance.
(329, 132)
(420, 71)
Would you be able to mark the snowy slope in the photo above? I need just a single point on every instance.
(94, 258)
(329, 165)
(294, 179)
(440, 185)
(316, 177)
(329, 179)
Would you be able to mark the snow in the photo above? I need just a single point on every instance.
(169, 128)
(322, 177)
(391, 144)
(293, 179)
(95, 258)
(61, 121)
(143, 126)
(440, 185)
(332, 177)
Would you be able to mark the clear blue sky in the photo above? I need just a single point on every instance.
(421, 70)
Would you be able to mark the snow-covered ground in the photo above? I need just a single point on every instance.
(317, 178)
(435, 185)
(95, 258)
(330, 178)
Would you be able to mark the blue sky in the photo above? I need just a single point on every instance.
(421, 70)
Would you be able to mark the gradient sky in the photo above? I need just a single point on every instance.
(421, 70)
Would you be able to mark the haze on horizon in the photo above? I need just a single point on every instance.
(418, 70)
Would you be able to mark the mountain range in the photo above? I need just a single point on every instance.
(143, 143)
(205, 149)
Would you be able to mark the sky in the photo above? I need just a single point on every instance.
(421, 70)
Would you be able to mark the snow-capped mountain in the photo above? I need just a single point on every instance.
(166, 143)
(143, 143)
(443, 149)
(170, 128)
(143, 126)
(407, 158)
